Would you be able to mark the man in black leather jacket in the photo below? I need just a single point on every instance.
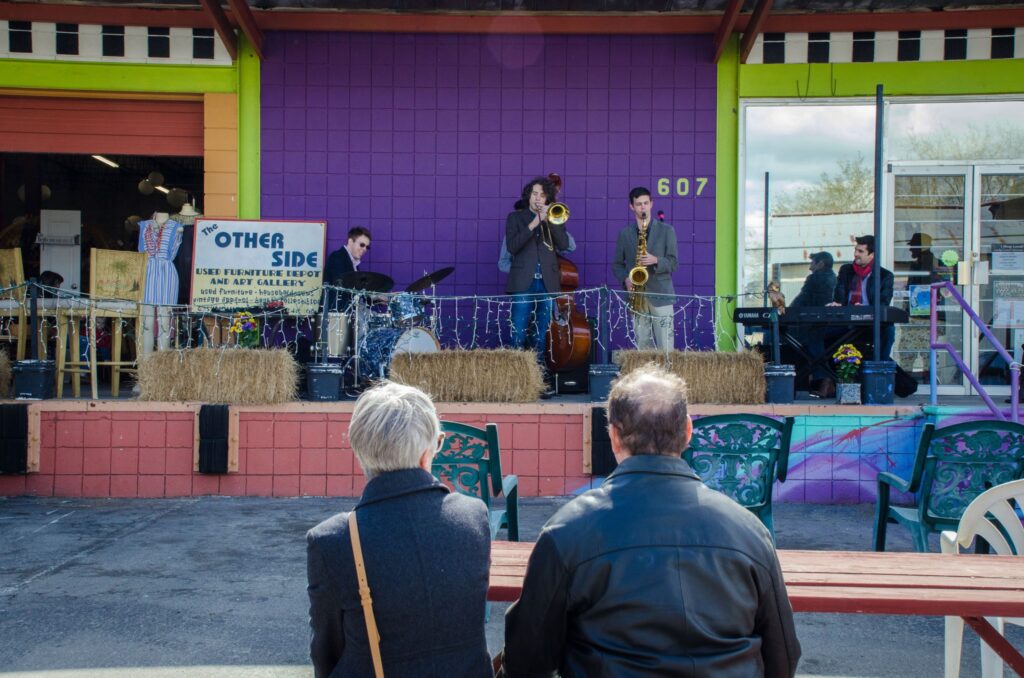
(653, 574)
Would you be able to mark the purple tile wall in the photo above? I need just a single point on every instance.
(428, 140)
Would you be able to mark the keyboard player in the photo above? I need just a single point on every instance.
(854, 287)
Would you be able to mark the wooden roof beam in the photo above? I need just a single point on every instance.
(240, 8)
(726, 26)
(222, 26)
(754, 28)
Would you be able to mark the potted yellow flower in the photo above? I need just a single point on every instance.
(847, 360)
(246, 330)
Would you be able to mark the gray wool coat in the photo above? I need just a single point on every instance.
(661, 242)
(427, 554)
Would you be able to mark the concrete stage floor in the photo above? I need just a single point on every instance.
(215, 587)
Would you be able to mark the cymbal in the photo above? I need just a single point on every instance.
(366, 280)
(430, 279)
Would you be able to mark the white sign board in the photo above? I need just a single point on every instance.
(241, 264)
(1008, 258)
(1008, 303)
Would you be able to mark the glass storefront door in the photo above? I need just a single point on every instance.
(929, 211)
(1000, 227)
(965, 224)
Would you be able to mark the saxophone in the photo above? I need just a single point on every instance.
(638, 275)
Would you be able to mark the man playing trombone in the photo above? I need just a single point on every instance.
(646, 254)
(534, 242)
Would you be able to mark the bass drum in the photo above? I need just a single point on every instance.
(382, 345)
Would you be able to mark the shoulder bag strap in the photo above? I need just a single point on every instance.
(364, 596)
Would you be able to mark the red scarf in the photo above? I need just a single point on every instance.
(862, 273)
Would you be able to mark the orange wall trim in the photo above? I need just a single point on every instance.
(220, 146)
(114, 126)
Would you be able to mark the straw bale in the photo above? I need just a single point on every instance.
(219, 375)
(479, 375)
(711, 376)
(5, 375)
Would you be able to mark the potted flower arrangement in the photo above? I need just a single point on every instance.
(847, 360)
(247, 330)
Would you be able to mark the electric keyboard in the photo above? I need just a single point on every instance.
(819, 315)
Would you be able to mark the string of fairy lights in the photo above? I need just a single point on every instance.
(457, 322)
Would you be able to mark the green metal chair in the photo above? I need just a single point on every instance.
(469, 461)
(954, 465)
(741, 456)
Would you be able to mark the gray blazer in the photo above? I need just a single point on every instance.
(661, 242)
(427, 554)
(526, 249)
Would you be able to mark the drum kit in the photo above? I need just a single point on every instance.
(406, 324)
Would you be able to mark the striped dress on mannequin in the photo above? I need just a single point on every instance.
(161, 244)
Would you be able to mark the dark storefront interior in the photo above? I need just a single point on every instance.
(111, 200)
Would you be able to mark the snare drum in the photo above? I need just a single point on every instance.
(405, 309)
(383, 344)
(337, 334)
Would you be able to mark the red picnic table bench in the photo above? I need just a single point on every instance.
(968, 586)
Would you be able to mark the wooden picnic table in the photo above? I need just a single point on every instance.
(969, 586)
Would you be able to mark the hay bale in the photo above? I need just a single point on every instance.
(5, 375)
(219, 375)
(480, 375)
(711, 376)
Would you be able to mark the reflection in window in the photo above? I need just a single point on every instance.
(956, 130)
(821, 189)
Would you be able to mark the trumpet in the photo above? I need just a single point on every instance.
(638, 275)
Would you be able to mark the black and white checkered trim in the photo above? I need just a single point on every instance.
(888, 46)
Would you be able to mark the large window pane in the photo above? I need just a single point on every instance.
(818, 160)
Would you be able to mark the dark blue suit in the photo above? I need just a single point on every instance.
(427, 555)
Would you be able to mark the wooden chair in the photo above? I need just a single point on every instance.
(995, 517)
(741, 456)
(117, 285)
(469, 461)
(12, 300)
(954, 465)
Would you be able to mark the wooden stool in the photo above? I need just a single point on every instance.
(12, 300)
(117, 285)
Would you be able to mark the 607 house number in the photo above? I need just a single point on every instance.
(681, 185)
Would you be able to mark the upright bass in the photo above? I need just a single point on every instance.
(568, 341)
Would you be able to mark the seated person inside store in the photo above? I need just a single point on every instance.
(820, 286)
(855, 286)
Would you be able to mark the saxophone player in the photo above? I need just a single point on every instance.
(652, 310)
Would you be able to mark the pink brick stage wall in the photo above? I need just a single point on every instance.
(146, 449)
(281, 454)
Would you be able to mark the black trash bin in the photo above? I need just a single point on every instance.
(878, 381)
(33, 379)
(601, 377)
(779, 383)
(323, 381)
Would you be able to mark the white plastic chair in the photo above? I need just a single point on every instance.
(993, 517)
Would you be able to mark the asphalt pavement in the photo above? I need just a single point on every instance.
(214, 587)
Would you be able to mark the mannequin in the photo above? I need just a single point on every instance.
(160, 238)
(183, 262)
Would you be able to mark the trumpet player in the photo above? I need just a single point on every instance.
(533, 277)
(651, 302)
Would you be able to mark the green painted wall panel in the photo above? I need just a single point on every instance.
(248, 131)
(799, 81)
(726, 200)
(107, 77)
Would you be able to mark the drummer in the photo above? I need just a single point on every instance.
(344, 260)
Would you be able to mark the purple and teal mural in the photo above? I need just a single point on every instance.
(428, 139)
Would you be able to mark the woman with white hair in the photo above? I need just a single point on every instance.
(426, 552)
